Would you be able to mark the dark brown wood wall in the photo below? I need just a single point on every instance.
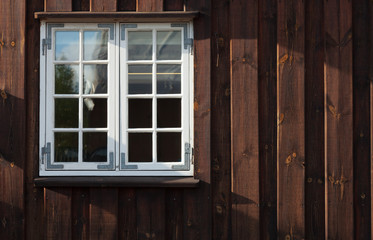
(283, 128)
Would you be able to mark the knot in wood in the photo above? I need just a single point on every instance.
(13, 44)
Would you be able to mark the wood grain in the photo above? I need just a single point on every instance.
(80, 201)
(174, 214)
(58, 5)
(244, 119)
(339, 121)
(314, 120)
(103, 5)
(149, 5)
(291, 146)
(173, 5)
(80, 5)
(126, 5)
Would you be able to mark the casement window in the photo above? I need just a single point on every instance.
(116, 99)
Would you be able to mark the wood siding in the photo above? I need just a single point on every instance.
(283, 128)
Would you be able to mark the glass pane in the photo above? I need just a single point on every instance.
(66, 79)
(139, 79)
(95, 78)
(94, 147)
(140, 113)
(169, 147)
(169, 45)
(95, 45)
(140, 45)
(168, 113)
(67, 45)
(94, 112)
(140, 147)
(66, 113)
(66, 147)
(168, 78)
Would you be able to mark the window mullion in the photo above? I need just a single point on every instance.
(154, 98)
(80, 142)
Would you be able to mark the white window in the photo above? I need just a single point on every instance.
(115, 99)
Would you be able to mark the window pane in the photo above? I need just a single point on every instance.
(66, 113)
(95, 78)
(169, 45)
(169, 147)
(95, 45)
(94, 147)
(168, 78)
(66, 147)
(95, 113)
(66, 79)
(140, 147)
(140, 45)
(139, 79)
(140, 113)
(67, 45)
(168, 113)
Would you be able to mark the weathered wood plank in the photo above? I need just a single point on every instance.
(34, 197)
(149, 5)
(103, 5)
(173, 5)
(150, 214)
(362, 64)
(57, 213)
(58, 5)
(291, 153)
(267, 80)
(174, 214)
(338, 84)
(103, 223)
(220, 122)
(127, 221)
(80, 5)
(244, 125)
(126, 5)
(12, 118)
(80, 213)
(314, 120)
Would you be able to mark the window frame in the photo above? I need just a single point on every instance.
(114, 96)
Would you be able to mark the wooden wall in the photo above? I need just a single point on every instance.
(283, 128)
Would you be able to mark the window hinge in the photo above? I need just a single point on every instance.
(46, 44)
(123, 165)
(187, 41)
(46, 150)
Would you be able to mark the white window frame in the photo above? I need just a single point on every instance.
(117, 125)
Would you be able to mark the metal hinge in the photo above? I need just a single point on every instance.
(46, 150)
(46, 44)
(187, 41)
(188, 159)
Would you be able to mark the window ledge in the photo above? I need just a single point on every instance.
(153, 182)
(122, 16)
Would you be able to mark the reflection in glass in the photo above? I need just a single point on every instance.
(95, 78)
(66, 147)
(168, 45)
(66, 79)
(140, 45)
(95, 45)
(139, 79)
(96, 117)
(140, 147)
(66, 113)
(168, 113)
(67, 45)
(94, 147)
(140, 113)
(168, 78)
(169, 147)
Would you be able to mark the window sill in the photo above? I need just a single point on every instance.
(153, 182)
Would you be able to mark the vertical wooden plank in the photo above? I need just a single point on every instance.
(57, 213)
(103, 223)
(103, 5)
(34, 197)
(126, 5)
(174, 214)
(150, 214)
(149, 5)
(80, 5)
(12, 118)
(291, 155)
(362, 44)
(338, 84)
(80, 213)
(244, 108)
(58, 5)
(127, 214)
(197, 202)
(371, 113)
(314, 120)
(220, 122)
(173, 5)
(267, 80)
